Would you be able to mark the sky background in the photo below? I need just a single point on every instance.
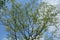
(53, 2)
(2, 28)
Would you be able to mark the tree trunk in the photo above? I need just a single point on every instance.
(15, 37)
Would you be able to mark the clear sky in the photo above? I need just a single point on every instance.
(2, 32)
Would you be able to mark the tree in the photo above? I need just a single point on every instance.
(29, 21)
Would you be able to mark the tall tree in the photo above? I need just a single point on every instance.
(28, 21)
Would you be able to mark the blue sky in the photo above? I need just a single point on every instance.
(2, 32)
